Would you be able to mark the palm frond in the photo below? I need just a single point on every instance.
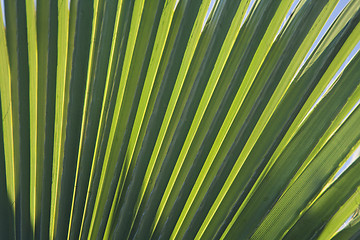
(179, 119)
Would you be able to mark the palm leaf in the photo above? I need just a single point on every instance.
(179, 119)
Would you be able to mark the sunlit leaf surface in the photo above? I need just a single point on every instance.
(180, 119)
